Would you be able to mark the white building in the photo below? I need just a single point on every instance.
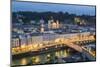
(15, 42)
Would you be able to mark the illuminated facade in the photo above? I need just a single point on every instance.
(42, 26)
(53, 24)
(79, 21)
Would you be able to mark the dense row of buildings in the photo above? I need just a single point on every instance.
(28, 34)
(37, 39)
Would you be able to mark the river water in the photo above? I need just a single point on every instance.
(43, 58)
(47, 58)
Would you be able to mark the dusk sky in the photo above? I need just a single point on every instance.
(44, 7)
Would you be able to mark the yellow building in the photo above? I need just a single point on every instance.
(53, 25)
(76, 19)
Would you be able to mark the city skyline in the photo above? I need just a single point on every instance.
(71, 9)
(52, 37)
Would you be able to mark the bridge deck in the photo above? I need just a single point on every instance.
(74, 46)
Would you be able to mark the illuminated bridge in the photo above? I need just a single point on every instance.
(69, 42)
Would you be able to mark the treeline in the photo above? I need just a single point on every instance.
(26, 16)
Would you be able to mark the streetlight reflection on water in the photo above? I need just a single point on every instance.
(43, 58)
(23, 61)
(36, 60)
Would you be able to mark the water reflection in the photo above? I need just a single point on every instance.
(36, 59)
(43, 58)
(24, 61)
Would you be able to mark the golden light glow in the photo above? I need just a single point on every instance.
(65, 54)
(57, 54)
(59, 41)
(23, 61)
(42, 29)
(41, 45)
(36, 59)
(48, 55)
(54, 25)
(35, 45)
(23, 46)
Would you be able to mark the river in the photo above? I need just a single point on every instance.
(43, 58)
